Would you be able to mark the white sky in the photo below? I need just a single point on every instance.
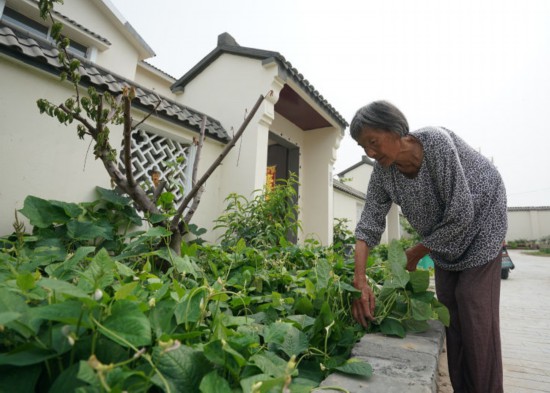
(478, 67)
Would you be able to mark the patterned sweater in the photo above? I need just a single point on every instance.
(457, 202)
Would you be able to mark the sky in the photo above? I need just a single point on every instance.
(478, 67)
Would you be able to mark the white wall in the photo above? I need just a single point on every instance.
(528, 224)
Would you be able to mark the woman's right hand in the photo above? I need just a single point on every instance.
(362, 308)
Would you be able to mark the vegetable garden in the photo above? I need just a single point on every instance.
(84, 306)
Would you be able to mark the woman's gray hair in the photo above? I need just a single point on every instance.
(380, 115)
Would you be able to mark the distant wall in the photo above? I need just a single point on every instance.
(529, 223)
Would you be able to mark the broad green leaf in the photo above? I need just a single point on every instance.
(421, 311)
(275, 332)
(399, 277)
(184, 265)
(85, 230)
(302, 321)
(183, 368)
(62, 288)
(222, 354)
(87, 374)
(100, 272)
(42, 213)
(247, 383)
(26, 281)
(162, 317)
(67, 381)
(127, 325)
(113, 197)
(25, 355)
(414, 326)
(214, 383)
(295, 342)
(396, 254)
(124, 270)
(8, 316)
(420, 280)
(322, 271)
(269, 363)
(67, 312)
(13, 303)
(20, 379)
(392, 327)
(443, 314)
(356, 366)
(191, 307)
(124, 291)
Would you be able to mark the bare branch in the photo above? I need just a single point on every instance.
(198, 153)
(127, 134)
(92, 130)
(215, 164)
(194, 205)
(158, 190)
(150, 113)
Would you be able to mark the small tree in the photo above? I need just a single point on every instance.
(96, 111)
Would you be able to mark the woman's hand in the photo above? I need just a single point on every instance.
(362, 308)
(414, 255)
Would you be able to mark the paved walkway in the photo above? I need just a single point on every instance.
(525, 325)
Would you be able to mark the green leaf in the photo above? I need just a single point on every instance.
(396, 254)
(42, 213)
(25, 355)
(14, 303)
(67, 381)
(67, 312)
(269, 363)
(113, 197)
(62, 288)
(8, 316)
(275, 332)
(19, 379)
(322, 271)
(442, 314)
(414, 326)
(190, 310)
(127, 325)
(356, 366)
(214, 383)
(183, 368)
(392, 327)
(100, 272)
(421, 311)
(26, 281)
(85, 230)
(124, 291)
(295, 342)
(420, 280)
(222, 354)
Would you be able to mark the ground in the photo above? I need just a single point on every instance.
(442, 379)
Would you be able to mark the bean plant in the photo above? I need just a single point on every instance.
(84, 308)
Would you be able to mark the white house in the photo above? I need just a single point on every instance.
(349, 198)
(295, 129)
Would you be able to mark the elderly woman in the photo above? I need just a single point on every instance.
(455, 199)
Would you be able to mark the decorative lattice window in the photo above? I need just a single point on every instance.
(172, 159)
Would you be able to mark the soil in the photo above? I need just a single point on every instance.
(442, 379)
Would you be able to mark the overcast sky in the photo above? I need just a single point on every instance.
(478, 67)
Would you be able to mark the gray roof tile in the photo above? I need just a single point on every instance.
(227, 44)
(27, 49)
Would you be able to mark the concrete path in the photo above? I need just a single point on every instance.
(525, 324)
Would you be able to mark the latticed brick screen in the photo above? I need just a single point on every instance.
(154, 152)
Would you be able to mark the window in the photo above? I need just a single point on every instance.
(173, 159)
(35, 29)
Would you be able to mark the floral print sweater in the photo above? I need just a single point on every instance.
(456, 202)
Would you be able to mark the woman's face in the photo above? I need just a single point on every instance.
(380, 145)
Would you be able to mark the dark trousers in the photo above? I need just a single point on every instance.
(473, 337)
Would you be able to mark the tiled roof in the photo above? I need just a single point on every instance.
(42, 54)
(80, 27)
(227, 44)
(364, 160)
(348, 189)
(528, 208)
